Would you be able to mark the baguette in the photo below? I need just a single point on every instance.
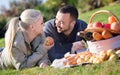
(97, 36)
(106, 34)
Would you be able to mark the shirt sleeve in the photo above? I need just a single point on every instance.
(82, 27)
(45, 60)
(49, 28)
(22, 61)
(26, 59)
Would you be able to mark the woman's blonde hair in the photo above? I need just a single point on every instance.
(26, 18)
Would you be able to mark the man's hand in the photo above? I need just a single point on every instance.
(79, 45)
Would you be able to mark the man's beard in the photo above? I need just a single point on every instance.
(60, 30)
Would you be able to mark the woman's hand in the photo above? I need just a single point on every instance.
(43, 65)
(79, 45)
(49, 42)
(48, 47)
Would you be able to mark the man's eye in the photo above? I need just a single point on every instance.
(61, 22)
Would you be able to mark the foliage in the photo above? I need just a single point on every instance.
(47, 12)
(87, 5)
(16, 7)
(2, 22)
(50, 8)
(2, 25)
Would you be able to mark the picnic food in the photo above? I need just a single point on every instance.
(107, 25)
(105, 35)
(115, 26)
(49, 41)
(107, 30)
(97, 36)
(97, 24)
(112, 19)
(89, 57)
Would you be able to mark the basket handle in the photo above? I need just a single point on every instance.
(101, 11)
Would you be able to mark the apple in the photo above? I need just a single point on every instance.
(49, 41)
(97, 24)
(107, 26)
(115, 26)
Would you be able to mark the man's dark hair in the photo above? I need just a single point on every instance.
(70, 9)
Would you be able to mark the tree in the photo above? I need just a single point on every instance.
(16, 7)
(50, 8)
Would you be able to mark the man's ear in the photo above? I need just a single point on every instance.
(73, 22)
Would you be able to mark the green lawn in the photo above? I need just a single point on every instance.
(103, 17)
(105, 68)
(2, 42)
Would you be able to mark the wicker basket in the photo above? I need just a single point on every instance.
(91, 29)
(111, 43)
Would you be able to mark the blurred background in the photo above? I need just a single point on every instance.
(49, 8)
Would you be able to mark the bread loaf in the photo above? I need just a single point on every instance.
(106, 34)
(97, 36)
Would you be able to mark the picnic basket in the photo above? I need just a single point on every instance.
(106, 44)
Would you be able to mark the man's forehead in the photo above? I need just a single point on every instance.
(62, 15)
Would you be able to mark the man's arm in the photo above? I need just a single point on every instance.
(82, 27)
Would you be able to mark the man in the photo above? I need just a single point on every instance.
(63, 29)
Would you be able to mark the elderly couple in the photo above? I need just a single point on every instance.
(24, 38)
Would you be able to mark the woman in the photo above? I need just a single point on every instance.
(22, 48)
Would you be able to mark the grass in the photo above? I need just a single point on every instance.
(2, 42)
(103, 17)
(105, 68)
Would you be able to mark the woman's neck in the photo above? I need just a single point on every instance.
(30, 35)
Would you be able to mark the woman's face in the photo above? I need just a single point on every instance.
(39, 26)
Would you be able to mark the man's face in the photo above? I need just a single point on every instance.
(63, 22)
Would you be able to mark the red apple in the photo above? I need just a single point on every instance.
(49, 41)
(97, 24)
(107, 26)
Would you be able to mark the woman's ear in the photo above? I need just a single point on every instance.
(31, 27)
